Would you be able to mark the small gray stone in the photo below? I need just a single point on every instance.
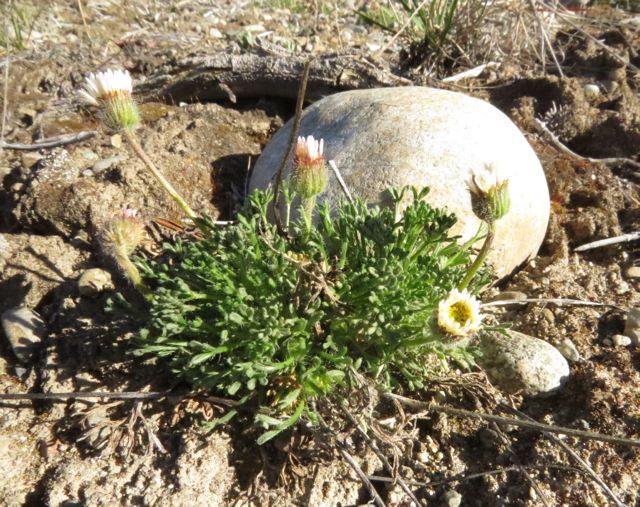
(620, 340)
(451, 499)
(632, 327)
(633, 272)
(94, 281)
(517, 362)
(106, 163)
(568, 349)
(25, 331)
(591, 91)
(30, 158)
(607, 343)
(548, 315)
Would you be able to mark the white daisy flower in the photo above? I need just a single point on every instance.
(102, 85)
(459, 314)
(111, 90)
(309, 149)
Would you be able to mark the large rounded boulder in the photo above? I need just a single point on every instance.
(392, 137)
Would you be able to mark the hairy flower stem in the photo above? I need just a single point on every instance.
(308, 205)
(130, 270)
(482, 255)
(135, 145)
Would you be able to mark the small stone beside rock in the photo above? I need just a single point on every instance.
(25, 331)
(520, 363)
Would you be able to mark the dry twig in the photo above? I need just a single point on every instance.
(542, 127)
(50, 142)
(575, 456)
(632, 236)
(374, 447)
(589, 435)
(343, 185)
(292, 141)
(553, 301)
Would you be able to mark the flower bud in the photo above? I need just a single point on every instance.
(309, 177)
(490, 199)
(124, 232)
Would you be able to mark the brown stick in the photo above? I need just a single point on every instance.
(292, 141)
(421, 405)
(51, 142)
(575, 456)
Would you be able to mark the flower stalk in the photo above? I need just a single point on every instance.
(142, 155)
(112, 92)
(490, 201)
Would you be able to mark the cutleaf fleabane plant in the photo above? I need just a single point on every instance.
(280, 317)
(277, 321)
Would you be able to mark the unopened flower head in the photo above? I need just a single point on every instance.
(309, 176)
(111, 90)
(459, 314)
(490, 197)
(124, 232)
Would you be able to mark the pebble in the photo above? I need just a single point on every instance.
(620, 340)
(591, 91)
(215, 33)
(520, 363)
(25, 330)
(30, 158)
(633, 272)
(423, 457)
(632, 327)
(451, 499)
(106, 163)
(607, 343)
(568, 349)
(116, 141)
(548, 315)
(94, 281)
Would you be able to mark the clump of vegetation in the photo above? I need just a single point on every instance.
(277, 321)
(438, 30)
(279, 315)
(16, 29)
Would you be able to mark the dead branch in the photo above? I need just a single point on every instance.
(542, 127)
(50, 142)
(207, 77)
(632, 236)
(575, 456)
(553, 301)
(589, 435)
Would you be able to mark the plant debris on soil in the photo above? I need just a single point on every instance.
(154, 451)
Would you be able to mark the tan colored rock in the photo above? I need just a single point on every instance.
(425, 137)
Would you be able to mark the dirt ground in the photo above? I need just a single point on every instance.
(155, 452)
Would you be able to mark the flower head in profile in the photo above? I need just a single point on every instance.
(490, 197)
(459, 314)
(124, 231)
(111, 90)
(309, 176)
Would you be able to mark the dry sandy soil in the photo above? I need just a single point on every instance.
(52, 202)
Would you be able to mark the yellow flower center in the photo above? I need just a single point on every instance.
(460, 312)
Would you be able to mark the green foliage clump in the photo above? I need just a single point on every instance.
(278, 320)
